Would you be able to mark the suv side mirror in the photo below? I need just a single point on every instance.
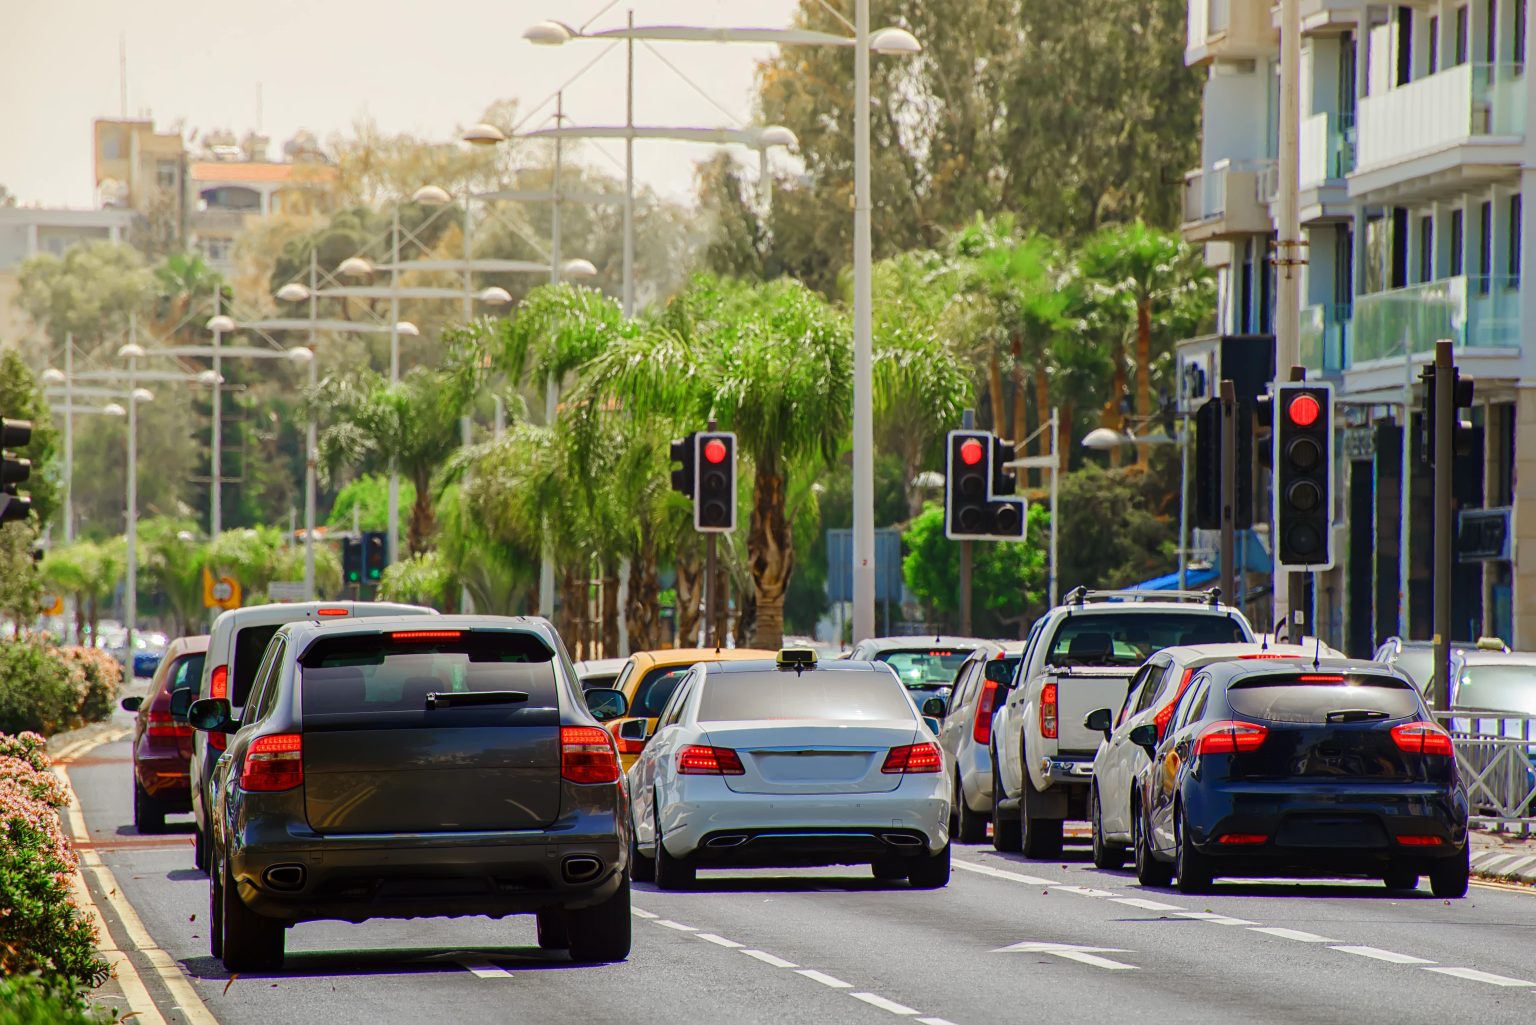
(606, 704)
(1100, 720)
(211, 715)
(1145, 737)
(181, 700)
(637, 730)
(131, 704)
(935, 707)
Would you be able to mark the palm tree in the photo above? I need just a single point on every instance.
(182, 282)
(91, 573)
(172, 558)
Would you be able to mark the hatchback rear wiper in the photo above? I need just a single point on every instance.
(1356, 714)
(444, 699)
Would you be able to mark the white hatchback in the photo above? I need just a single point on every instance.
(790, 763)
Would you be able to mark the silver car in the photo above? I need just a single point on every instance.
(980, 685)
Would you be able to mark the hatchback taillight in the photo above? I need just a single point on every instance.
(913, 758)
(1048, 710)
(160, 724)
(1166, 712)
(1230, 737)
(273, 763)
(587, 755)
(703, 760)
(1423, 738)
(981, 729)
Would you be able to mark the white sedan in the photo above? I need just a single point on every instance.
(790, 763)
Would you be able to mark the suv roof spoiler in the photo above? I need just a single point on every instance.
(1080, 595)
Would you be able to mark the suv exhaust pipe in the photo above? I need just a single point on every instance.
(580, 868)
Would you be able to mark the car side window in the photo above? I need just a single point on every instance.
(1193, 704)
(1153, 688)
(965, 684)
(624, 675)
(258, 681)
(264, 698)
(674, 707)
(1133, 691)
(1029, 649)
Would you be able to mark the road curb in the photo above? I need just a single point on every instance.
(1505, 865)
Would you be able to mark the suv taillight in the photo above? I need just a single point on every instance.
(981, 729)
(1423, 738)
(587, 755)
(1048, 710)
(913, 758)
(160, 724)
(1166, 712)
(702, 760)
(1230, 737)
(273, 763)
(218, 687)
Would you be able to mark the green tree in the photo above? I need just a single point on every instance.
(422, 579)
(21, 398)
(171, 561)
(21, 586)
(1130, 530)
(369, 494)
(88, 292)
(1008, 577)
(91, 572)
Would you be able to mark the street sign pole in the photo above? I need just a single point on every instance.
(1228, 491)
(1445, 414)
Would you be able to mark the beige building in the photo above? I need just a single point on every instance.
(27, 231)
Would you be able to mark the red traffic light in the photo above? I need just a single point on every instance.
(715, 451)
(1303, 410)
(971, 452)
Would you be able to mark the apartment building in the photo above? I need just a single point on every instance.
(27, 231)
(1414, 158)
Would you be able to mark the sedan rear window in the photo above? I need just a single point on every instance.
(925, 667)
(1129, 638)
(782, 694)
(1323, 697)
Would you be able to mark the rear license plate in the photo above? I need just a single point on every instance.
(1331, 831)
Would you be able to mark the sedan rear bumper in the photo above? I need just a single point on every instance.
(165, 777)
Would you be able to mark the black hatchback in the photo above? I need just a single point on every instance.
(403, 768)
(1333, 768)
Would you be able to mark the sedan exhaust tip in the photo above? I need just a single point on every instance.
(728, 840)
(901, 839)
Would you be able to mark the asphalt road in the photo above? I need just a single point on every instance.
(835, 946)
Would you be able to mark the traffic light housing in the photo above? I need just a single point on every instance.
(1207, 482)
(352, 561)
(1303, 492)
(977, 486)
(714, 491)
(682, 452)
(375, 555)
(1462, 438)
(14, 470)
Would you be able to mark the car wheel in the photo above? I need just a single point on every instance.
(1149, 871)
(1007, 835)
(1400, 879)
(1105, 854)
(930, 872)
(1448, 878)
(252, 942)
(889, 870)
(215, 916)
(968, 826)
(1040, 838)
(552, 929)
(602, 931)
(672, 873)
(641, 868)
(148, 815)
(1194, 869)
(200, 849)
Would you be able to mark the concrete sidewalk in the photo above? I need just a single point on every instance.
(1507, 856)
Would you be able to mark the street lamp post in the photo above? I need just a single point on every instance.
(218, 324)
(132, 352)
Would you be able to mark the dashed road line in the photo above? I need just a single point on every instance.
(767, 958)
(1474, 975)
(1213, 918)
(1146, 905)
(642, 913)
(998, 873)
(934, 1021)
(486, 970)
(1378, 954)
(679, 926)
(824, 978)
(719, 941)
(876, 1000)
(1291, 934)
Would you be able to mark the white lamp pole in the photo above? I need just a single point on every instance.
(218, 325)
(392, 538)
(69, 439)
(311, 442)
(863, 344)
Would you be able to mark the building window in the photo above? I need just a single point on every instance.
(112, 145)
(1427, 248)
(1514, 240)
(1434, 44)
(217, 250)
(1458, 236)
(1405, 45)
(165, 174)
(1461, 35)
(1484, 244)
(1344, 267)
(1491, 52)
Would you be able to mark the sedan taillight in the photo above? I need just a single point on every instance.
(587, 755)
(273, 763)
(981, 729)
(160, 724)
(1423, 738)
(703, 760)
(913, 758)
(1048, 710)
(1230, 737)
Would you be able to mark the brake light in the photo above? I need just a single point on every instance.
(273, 763)
(703, 760)
(1265, 654)
(1423, 738)
(587, 755)
(626, 747)
(1166, 713)
(1420, 841)
(981, 730)
(330, 612)
(160, 724)
(1230, 737)
(218, 687)
(1242, 838)
(1048, 710)
(913, 758)
(1320, 678)
(426, 635)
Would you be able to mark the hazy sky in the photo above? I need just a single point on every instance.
(421, 66)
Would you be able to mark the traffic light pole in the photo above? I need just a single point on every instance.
(1228, 491)
(965, 588)
(1299, 584)
(710, 640)
(1444, 427)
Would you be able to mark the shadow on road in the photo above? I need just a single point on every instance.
(759, 883)
(314, 964)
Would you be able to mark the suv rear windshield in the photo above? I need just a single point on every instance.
(371, 673)
(784, 694)
(1129, 638)
(1321, 697)
(925, 667)
(250, 645)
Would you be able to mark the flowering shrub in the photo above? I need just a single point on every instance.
(96, 677)
(49, 689)
(33, 1000)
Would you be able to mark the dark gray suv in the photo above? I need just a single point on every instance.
(409, 767)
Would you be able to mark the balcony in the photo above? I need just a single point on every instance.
(1324, 338)
(1229, 30)
(1473, 104)
(1226, 201)
(1327, 150)
(1473, 312)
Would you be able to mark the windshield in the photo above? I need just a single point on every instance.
(1506, 688)
(1129, 638)
(1418, 665)
(655, 689)
(814, 694)
(925, 667)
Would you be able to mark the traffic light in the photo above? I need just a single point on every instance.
(1303, 434)
(1462, 438)
(1208, 466)
(375, 556)
(973, 474)
(352, 560)
(682, 452)
(714, 493)
(14, 470)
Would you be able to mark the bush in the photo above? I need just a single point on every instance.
(97, 678)
(31, 1000)
(36, 690)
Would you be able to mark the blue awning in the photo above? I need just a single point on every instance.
(1195, 578)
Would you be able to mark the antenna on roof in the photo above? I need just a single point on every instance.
(1317, 652)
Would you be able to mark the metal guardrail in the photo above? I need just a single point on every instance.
(1494, 750)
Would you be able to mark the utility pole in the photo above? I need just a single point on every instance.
(1229, 491)
(551, 385)
(1289, 248)
(1444, 456)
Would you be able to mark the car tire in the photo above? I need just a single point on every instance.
(1449, 877)
(1007, 832)
(552, 931)
(888, 870)
(602, 931)
(672, 873)
(1040, 839)
(148, 814)
(1194, 870)
(252, 942)
(641, 868)
(1400, 879)
(215, 916)
(1149, 871)
(1105, 854)
(930, 872)
(968, 826)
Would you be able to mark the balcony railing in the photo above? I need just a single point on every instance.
(1455, 105)
(1473, 312)
(1228, 28)
(1325, 337)
(1327, 151)
(1232, 188)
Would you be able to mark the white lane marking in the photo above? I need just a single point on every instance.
(767, 958)
(1292, 934)
(875, 1000)
(1213, 918)
(934, 1021)
(1072, 952)
(1085, 891)
(642, 913)
(486, 970)
(1382, 955)
(679, 926)
(1146, 905)
(1476, 976)
(719, 941)
(824, 978)
(998, 873)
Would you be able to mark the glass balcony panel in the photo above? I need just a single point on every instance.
(1325, 337)
(1473, 312)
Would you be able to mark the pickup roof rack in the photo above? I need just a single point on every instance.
(1080, 595)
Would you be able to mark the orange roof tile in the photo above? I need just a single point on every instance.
(232, 173)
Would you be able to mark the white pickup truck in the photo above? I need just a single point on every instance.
(1080, 657)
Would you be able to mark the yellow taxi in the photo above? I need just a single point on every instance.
(648, 679)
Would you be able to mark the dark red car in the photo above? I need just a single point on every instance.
(162, 746)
